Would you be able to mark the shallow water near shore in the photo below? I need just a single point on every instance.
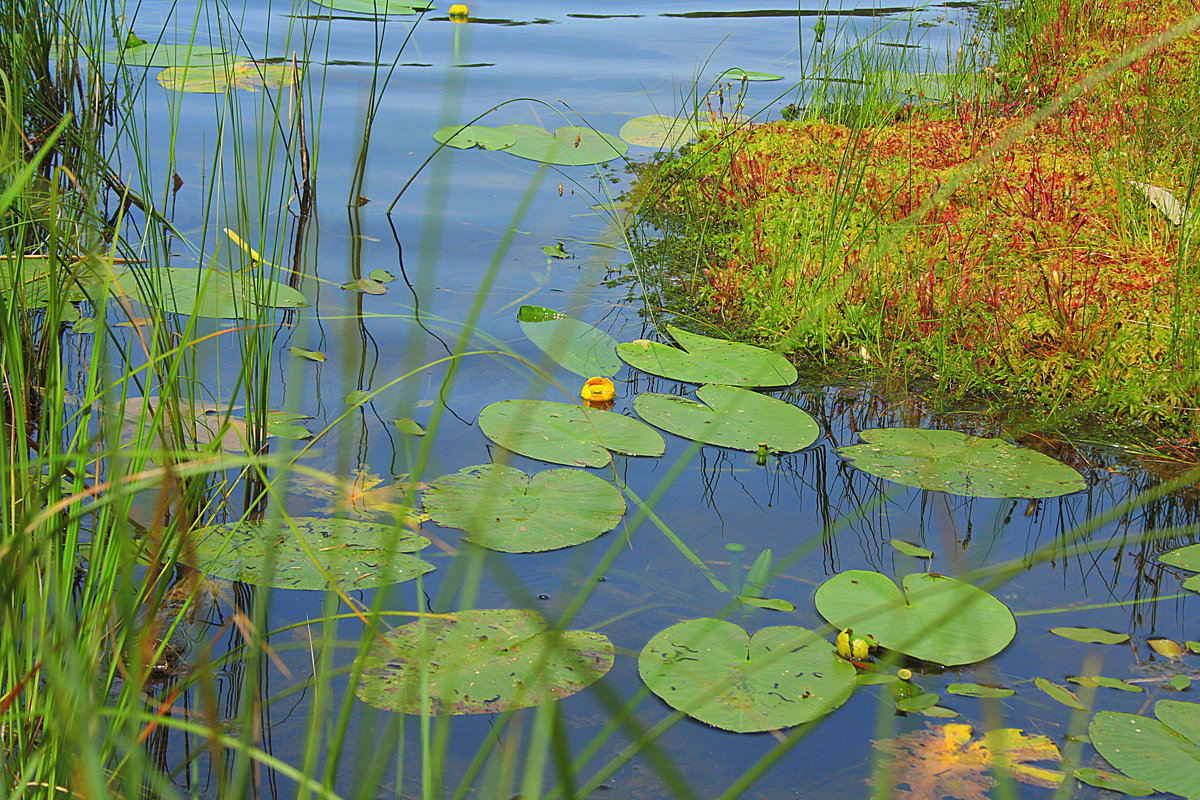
(477, 221)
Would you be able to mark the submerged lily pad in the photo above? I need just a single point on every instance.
(207, 292)
(480, 662)
(949, 461)
(934, 618)
(376, 8)
(581, 348)
(713, 671)
(250, 76)
(467, 136)
(707, 360)
(567, 434)
(358, 555)
(1163, 753)
(567, 146)
(151, 54)
(733, 417)
(502, 508)
(659, 131)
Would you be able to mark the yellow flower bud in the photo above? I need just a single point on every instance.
(459, 12)
(843, 643)
(860, 649)
(598, 393)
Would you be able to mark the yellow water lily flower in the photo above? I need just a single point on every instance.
(843, 643)
(459, 12)
(598, 393)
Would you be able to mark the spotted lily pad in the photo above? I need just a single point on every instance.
(659, 131)
(466, 136)
(567, 434)
(731, 417)
(934, 618)
(1163, 753)
(713, 671)
(480, 662)
(583, 349)
(567, 146)
(949, 461)
(706, 360)
(280, 553)
(1185, 558)
(502, 508)
(250, 76)
(207, 292)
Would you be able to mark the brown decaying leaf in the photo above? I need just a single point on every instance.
(947, 761)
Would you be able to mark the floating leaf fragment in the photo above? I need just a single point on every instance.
(713, 671)
(381, 276)
(769, 603)
(480, 662)
(365, 285)
(749, 75)
(1168, 648)
(1096, 681)
(408, 426)
(311, 355)
(910, 549)
(949, 461)
(1060, 694)
(1113, 781)
(1091, 635)
(555, 250)
(978, 690)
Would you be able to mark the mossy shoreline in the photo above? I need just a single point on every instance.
(1059, 283)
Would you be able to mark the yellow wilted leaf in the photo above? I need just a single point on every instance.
(1166, 647)
(947, 761)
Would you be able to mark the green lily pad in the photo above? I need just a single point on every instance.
(502, 508)
(713, 671)
(467, 136)
(250, 76)
(567, 434)
(949, 461)
(480, 662)
(376, 8)
(1091, 635)
(1060, 694)
(659, 131)
(567, 146)
(581, 348)
(910, 549)
(1185, 558)
(978, 690)
(1096, 681)
(733, 417)
(359, 555)
(151, 54)
(935, 618)
(207, 292)
(1113, 781)
(707, 360)
(1163, 753)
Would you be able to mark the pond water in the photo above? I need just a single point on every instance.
(465, 240)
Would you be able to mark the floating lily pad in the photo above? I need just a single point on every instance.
(910, 549)
(376, 8)
(707, 360)
(581, 348)
(1095, 681)
(359, 555)
(713, 671)
(567, 146)
(1113, 781)
(151, 54)
(935, 618)
(1163, 753)
(250, 76)
(659, 131)
(1060, 694)
(207, 293)
(978, 690)
(480, 662)
(567, 434)
(1185, 558)
(949, 461)
(750, 75)
(467, 136)
(1091, 635)
(502, 508)
(733, 417)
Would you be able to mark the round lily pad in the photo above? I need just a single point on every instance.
(567, 146)
(733, 417)
(659, 131)
(480, 662)
(706, 360)
(934, 618)
(249, 76)
(949, 461)
(151, 54)
(207, 293)
(502, 508)
(359, 555)
(713, 671)
(465, 137)
(567, 434)
(1163, 753)
(583, 349)
(1186, 558)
